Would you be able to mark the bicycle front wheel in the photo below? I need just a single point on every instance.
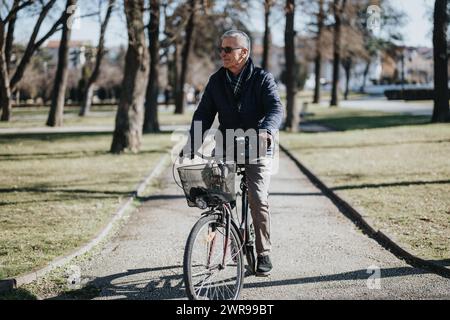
(213, 263)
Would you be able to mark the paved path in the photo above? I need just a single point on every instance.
(417, 108)
(317, 252)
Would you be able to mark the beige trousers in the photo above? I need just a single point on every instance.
(258, 180)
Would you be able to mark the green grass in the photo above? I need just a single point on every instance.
(32, 117)
(308, 95)
(58, 191)
(24, 117)
(398, 176)
(166, 117)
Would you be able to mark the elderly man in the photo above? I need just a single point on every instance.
(244, 97)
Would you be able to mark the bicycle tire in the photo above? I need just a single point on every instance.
(222, 291)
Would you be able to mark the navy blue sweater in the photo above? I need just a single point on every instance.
(261, 107)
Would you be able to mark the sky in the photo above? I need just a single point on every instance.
(417, 31)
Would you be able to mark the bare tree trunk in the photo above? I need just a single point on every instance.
(130, 113)
(289, 51)
(5, 92)
(347, 68)
(338, 9)
(89, 90)
(55, 117)
(180, 100)
(318, 58)
(266, 43)
(5, 101)
(175, 74)
(366, 73)
(317, 73)
(171, 60)
(441, 111)
(151, 102)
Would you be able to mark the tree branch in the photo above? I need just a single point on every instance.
(32, 46)
(10, 38)
(16, 7)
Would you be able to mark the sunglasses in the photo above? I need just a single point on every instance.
(227, 49)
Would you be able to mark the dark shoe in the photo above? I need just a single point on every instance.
(264, 266)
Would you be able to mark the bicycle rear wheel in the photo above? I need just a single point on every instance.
(206, 276)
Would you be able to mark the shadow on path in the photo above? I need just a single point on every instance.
(273, 194)
(391, 184)
(64, 155)
(148, 284)
(134, 284)
(358, 122)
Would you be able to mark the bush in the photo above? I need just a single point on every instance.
(410, 94)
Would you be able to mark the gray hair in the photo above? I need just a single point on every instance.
(243, 38)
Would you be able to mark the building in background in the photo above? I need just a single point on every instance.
(77, 52)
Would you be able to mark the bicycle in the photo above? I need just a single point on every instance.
(213, 264)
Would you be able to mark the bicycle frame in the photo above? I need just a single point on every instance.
(225, 216)
(244, 227)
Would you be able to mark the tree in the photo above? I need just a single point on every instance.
(55, 116)
(179, 91)
(89, 87)
(353, 48)
(10, 35)
(130, 112)
(441, 112)
(338, 9)
(372, 46)
(216, 19)
(289, 52)
(151, 101)
(211, 15)
(36, 82)
(266, 42)
(318, 58)
(5, 52)
(390, 20)
(9, 83)
(347, 63)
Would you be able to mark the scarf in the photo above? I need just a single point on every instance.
(237, 82)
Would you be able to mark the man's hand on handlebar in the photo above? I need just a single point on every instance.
(266, 139)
